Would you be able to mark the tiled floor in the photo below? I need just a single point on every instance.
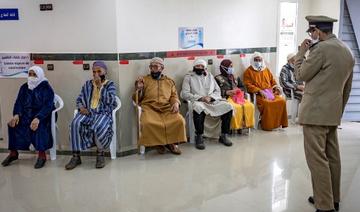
(265, 171)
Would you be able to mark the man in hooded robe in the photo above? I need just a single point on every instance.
(259, 80)
(162, 126)
(200, 88)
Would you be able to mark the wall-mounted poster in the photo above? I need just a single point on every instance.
(14, 65)
(191, 37)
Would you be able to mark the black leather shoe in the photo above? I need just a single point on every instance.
(100, 161)
(74, 162)
(199, 142)
(224, 140)
(40, 162)
(311, 200)
(9, 159)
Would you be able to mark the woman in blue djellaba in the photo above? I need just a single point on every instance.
(31, 121)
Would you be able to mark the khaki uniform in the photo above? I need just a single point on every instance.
(327, 73)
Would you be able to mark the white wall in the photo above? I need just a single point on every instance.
(329, 8)
(153, 25)
(73, 26)
(93, 26)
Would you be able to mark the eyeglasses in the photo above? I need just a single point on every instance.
(311, 31)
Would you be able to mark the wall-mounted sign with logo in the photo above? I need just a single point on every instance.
(10, 14)
(191, 37)
(14, 65)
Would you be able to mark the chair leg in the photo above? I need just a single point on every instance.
(53, 148)
(142, 150)
(113, 149)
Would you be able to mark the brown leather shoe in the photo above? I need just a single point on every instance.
(173, 148)
(160, 149)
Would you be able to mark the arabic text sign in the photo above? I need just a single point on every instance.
(9, 14)
(14, 65)
(191, 37)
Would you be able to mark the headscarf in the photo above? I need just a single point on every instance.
(224, 65)
(252, 62)
(33, 82)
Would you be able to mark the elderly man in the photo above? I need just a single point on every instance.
(259, 80)
(92, 126)
(162, 126)
(327, 72)
(200, 88)
(288, 81)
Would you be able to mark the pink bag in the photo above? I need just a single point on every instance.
(269, 95)
(238, 98)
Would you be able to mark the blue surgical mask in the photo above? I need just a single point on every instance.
(230, 70)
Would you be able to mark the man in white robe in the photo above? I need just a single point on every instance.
(200, 88)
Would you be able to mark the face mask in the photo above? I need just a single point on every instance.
(313, 41)
(32, 82)
(258, 65)
(198, 71)
(155, 75)
(230, 70)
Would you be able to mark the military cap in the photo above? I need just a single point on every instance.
(321, 22)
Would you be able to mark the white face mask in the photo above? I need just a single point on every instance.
(258, 65)
(313, 41)
(32, 82)
(230, 70)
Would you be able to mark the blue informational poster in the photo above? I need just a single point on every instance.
(9, 14)
(191, 37)
(14, 65)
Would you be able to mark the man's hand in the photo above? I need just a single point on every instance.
(84, 111)
(97, 81)
(206, 99)
(14, 121)
(139, 83)
(34, 124)
(277, 91)
(305, 45)
(300, 87)
(175, 107)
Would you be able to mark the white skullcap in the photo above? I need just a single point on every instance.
(157, 60)
(200, 62)
(291, 55)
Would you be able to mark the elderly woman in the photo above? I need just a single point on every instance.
(92, 126)
(232, 88)
(31, 122)
(259, 80)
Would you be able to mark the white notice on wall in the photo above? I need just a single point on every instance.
(14, 65)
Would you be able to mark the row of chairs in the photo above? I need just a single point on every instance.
(59, 104)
